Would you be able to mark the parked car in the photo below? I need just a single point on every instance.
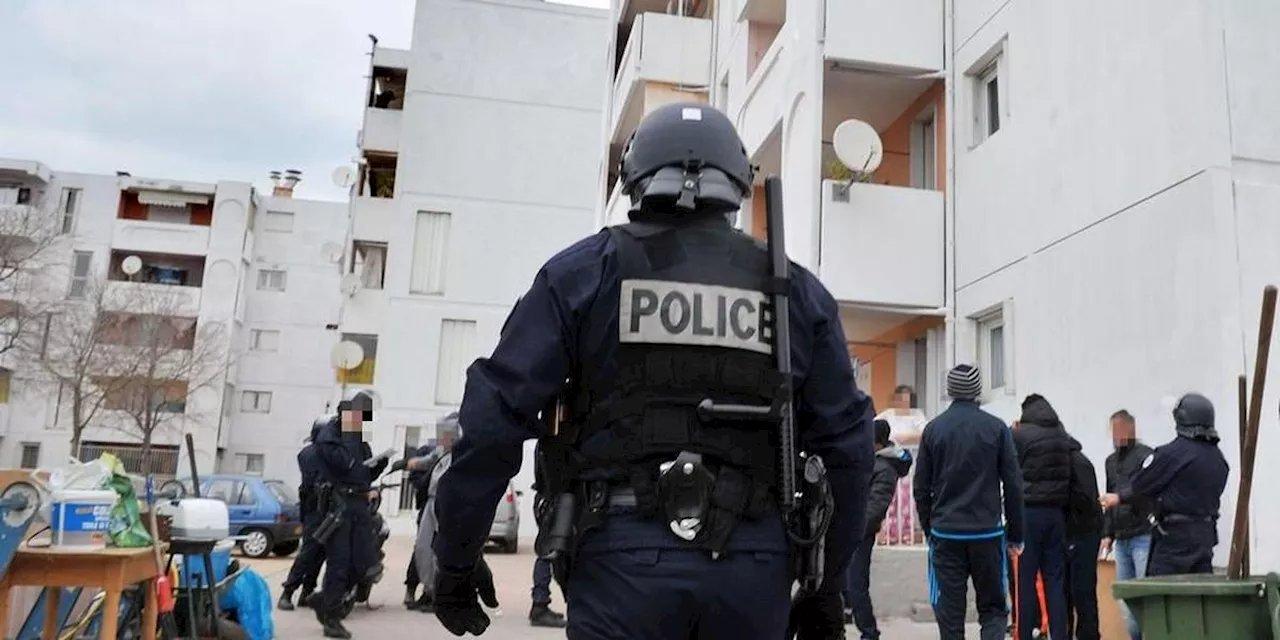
(505, 531)
(265, 514)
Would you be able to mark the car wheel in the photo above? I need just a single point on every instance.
(511, 546)
(256, 543)
(286, 548)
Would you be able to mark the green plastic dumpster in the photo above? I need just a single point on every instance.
(1204, 607)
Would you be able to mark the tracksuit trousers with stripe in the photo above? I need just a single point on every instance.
(952, 563)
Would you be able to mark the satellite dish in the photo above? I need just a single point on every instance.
(331, 252)
(131, 265)
(858, 146)
(344, 177)
(350, 284)
(346, 355)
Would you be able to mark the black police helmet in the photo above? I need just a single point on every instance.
(1193, 410)
(686, 158)
(321, 423)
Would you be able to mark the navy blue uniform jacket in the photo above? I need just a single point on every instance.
(570, 315)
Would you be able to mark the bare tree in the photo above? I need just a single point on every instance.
(131, 352)
(30, 235)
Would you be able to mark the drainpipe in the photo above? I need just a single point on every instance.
(949, 217)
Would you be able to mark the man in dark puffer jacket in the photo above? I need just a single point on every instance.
(1044, 453)
(891, 463)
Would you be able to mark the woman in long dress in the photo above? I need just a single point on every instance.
(906, 423)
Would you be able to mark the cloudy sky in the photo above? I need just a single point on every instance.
(193, 89)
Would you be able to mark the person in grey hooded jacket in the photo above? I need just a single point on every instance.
(891, 463)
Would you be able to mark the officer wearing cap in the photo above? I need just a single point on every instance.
(648, 320)
(1184, 480)
(305, 571)
(350, 467)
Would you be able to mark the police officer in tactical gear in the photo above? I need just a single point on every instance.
(350, 550)
(305, 571)
(1184, 480)
(679, 534)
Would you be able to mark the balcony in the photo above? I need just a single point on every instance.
(883, 245)
(766, 98)
(666, 49)
(381, 130)
(160, 237)
(904, 35)
(24, 171)
(164, 298)
(374, 219)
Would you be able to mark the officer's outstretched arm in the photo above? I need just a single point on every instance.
(506, 391)
(1156, 472)
(833, 415)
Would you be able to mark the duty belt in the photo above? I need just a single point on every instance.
(1182, 518)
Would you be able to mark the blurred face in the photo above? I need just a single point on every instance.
(1122, 432)
(352, 419)
(902, 400)
(446, 441)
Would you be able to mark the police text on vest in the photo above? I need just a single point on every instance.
(703, 315)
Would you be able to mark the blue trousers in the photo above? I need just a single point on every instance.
(1044, 552)
(541, 583)
(678, 594)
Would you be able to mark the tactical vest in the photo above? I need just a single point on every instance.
(693, 324)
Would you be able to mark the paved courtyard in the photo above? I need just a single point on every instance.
(512, 574)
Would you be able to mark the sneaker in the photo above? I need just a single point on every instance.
(543, 616)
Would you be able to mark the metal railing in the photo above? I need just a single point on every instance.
(163, 463)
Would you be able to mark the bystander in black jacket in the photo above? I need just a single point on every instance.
(1084, 514)
(1044, 453)
(891, 463)
(1129, 519)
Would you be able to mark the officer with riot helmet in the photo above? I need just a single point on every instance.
(349, 546)
(305, 572)
(680, 533)
(1184, 480)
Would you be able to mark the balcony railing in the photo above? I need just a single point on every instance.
(904, 35)
(381, 130)
(883, 245)
(161, 237)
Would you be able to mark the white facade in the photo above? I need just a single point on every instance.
(200, 247)
(1110, 184)
(478, 164)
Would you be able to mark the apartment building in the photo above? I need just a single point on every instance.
(1113, 181)
(477, 163)
(174, 280)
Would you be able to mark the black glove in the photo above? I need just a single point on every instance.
(399, 465)
(816, 616)
(457, 597)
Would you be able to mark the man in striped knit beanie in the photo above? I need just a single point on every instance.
(968, 492)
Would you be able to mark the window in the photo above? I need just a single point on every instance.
(30, 456)
(370, 261)
(251, 464)
(70, 207)
(255, 402)
(924, 158)
(457, 349)
(282, 492)
(169, 214)
(264, 340)
(362, 373)
(921, 357)
(80, 264)
(6, 380)
(227, 491)
(430, 248)
(989, 96)
(992, 352)
(272, 279)
(281, 221)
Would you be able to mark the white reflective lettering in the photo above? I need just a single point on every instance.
(662, 312)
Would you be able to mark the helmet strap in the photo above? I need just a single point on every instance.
(690, 185)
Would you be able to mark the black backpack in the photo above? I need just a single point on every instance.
(1084, 515)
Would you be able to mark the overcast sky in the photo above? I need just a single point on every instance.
(193, 89)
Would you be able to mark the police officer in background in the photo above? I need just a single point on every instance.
(350, 550)
(649, 319)
(305, 571)
(1184, 480)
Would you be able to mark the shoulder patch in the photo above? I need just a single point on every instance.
(1146, 462)
(684, 313)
